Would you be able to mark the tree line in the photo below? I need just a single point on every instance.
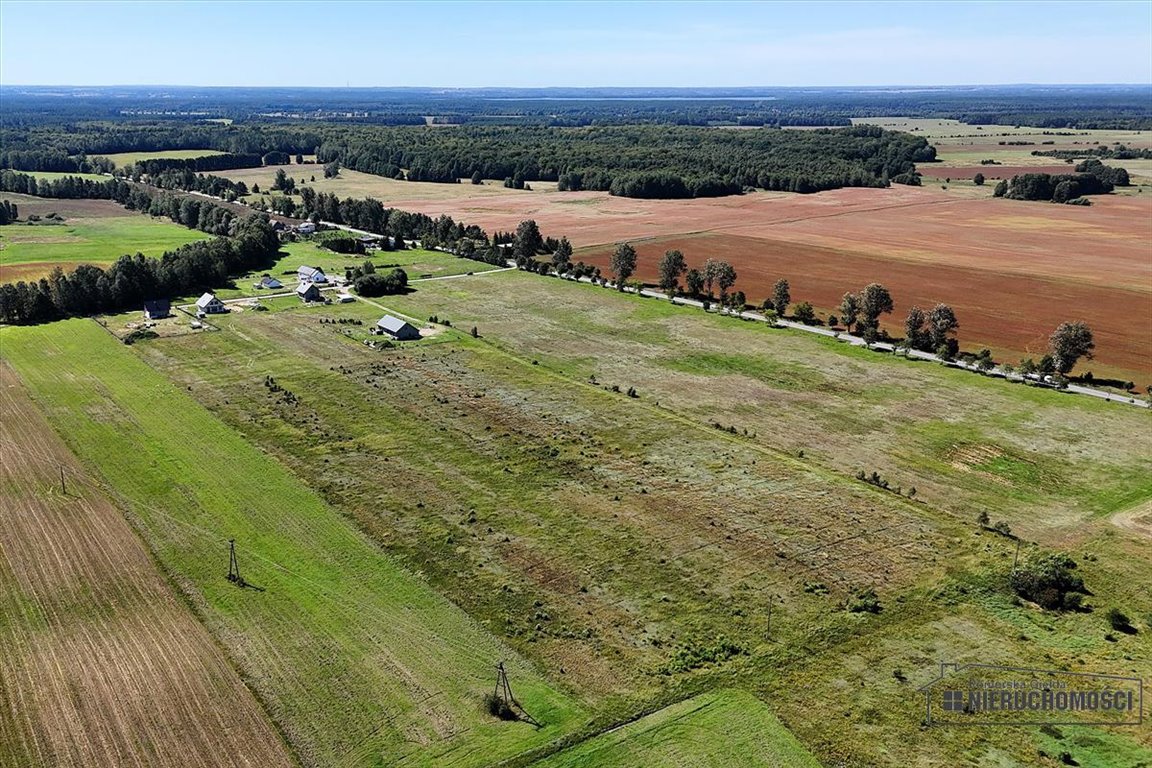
(1092, 177)
(192, 212)
(131, 280)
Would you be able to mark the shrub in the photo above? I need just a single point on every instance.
(1118, 620)
(864, 601)
(1047, 580)
(497, 707)
(698, 653)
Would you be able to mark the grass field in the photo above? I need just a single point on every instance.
(521, 490)
(1074, 458)
(93, 232)
(353, 657)
(723, 729)
(604, 537)
(102, 663)
(51, 175)
(123, 159)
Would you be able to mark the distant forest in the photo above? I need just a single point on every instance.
(1080, 107)
(630, 161)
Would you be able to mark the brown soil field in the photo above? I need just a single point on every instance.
(1012, 314)
(1026, 266)
(101, 663)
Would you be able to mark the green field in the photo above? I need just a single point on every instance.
(93, 232)
(123, 159)
(724, 729)
(1042, 460)
(353, 657)
(607, 545)
(53, 175)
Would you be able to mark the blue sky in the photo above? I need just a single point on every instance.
(574, 44)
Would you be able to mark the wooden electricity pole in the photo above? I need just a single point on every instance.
(233, 566)
(504, 691)
(63, 488)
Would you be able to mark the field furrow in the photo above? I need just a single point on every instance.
(102, 664)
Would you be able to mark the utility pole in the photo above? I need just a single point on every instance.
(504, 690)
(233, 566)
(63, 488)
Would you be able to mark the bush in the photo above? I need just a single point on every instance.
(697, 654)
(1048, 580)
(497, 707)
(864, 601)
(1118, 620)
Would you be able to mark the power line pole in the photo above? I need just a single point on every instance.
(63, 488)
(233, 565)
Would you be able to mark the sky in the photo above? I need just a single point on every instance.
(539, 44)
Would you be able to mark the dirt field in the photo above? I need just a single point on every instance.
(101, 663)
(1013, 314)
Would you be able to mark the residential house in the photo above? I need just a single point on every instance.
(396, 328)
(157, 308)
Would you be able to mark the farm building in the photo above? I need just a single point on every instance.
(311, 275)
(306, 228)
(157, 308)
(308, 292)
(396, 328)
(267, 281)
(210, 305)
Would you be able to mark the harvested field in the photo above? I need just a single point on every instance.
(102, 664)
(1012, 314)
(1013, 270)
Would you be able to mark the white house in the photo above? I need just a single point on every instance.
(311, 275)
(210, 305)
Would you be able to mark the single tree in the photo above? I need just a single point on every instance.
(916, 336)
(1069, 343)
(710, 267)
(694, 282)
(623, 264)
(332, 170)
(562, 256)
(477, 178)
(849, 310)
(725, 279)
(528, 241)
(874, 301)
(942, 325)
(978, 179)
(804, 312)
(781, 297)
(672, 266)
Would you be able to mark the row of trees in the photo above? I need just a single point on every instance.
(131, 280)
